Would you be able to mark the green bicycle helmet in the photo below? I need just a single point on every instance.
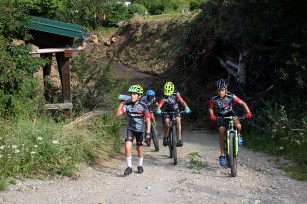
(168, 88)
(135, 89)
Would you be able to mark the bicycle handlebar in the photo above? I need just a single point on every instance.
(172, 112)
(232, 117)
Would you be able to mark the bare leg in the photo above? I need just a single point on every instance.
(179, 127)
(140, 151)
(166, 127)
(128, 146)
(222, 139)
(238, 126)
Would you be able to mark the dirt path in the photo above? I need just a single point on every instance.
(258, 180)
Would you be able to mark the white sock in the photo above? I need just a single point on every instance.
(128, 159)
(140, 161)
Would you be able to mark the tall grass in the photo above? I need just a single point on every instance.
(43, 148)
(280, 128)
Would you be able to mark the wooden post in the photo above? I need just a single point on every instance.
(64, 69)
(46, 76)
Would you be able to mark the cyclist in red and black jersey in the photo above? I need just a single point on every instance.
(136, 112)
(221, 104)
(170, 100)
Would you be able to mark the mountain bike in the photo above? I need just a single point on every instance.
(153, 135)
(231, 144)
(173, 134)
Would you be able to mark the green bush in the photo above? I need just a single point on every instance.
(94, 84)
(41, 147)
(19, 90)
(281, 128)
(136, 8)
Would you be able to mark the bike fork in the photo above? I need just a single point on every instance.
(235, 139)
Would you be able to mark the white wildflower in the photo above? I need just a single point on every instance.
(33, 152)
(281, 147)
(55, 142)
(2, 147)
(283, 127)
(35, 146)
(14, 146)
(17, 151)
(298, 142)
(39, 138)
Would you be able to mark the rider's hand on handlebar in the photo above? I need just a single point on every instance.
(213, 117)
(187, 110)
(158, 111)
(248, 115)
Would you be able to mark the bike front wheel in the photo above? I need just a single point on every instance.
(174, 144)
(232, 155)
(155, 139)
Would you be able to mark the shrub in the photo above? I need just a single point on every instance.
(136, 8)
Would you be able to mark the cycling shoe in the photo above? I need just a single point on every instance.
(222, 160)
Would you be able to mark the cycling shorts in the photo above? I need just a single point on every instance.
(221, 122)
(130, 135)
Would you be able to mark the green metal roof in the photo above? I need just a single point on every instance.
(55, 27)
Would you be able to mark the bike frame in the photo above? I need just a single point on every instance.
(231, 129)
(173, 139)
(231, 144)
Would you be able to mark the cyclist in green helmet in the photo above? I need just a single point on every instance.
(170, 100)
(136, 112)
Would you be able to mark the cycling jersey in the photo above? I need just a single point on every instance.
(171, 102)
(136, 115)
(223, 105)
(150, 104)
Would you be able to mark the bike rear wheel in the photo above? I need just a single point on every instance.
(170, 143)
(174, 144)
(232, 155)
(154, 135)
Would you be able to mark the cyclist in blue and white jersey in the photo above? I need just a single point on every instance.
(151, 102)
(137, 112)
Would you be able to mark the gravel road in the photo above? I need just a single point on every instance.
(258, 180)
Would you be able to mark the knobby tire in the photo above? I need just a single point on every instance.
(232, 156)
(170, 139)
(174, 144)
(154, 135)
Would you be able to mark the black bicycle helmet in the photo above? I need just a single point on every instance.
(221, 84)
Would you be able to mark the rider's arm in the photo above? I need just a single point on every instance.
(211, 109)
(147, 118)
(244, 106)
(183, 102)
(160, 105)
(120, 109)
(148, 125)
